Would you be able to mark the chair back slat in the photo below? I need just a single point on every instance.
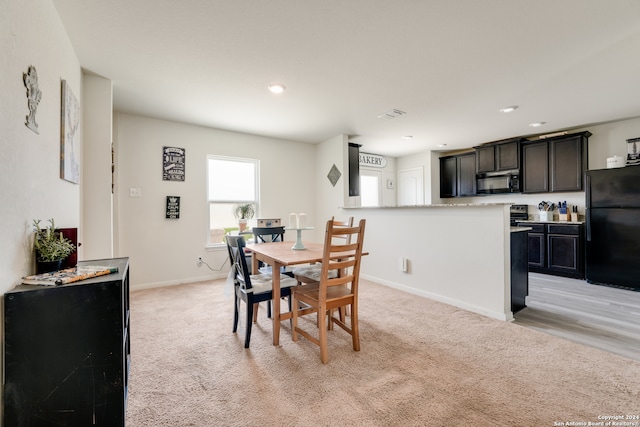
(268, 234)
(235, 247)
(343, 257)
(345, 223)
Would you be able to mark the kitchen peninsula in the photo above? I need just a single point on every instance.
(459, 254)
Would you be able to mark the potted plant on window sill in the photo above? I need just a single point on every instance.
(51, 247)
(243, 212)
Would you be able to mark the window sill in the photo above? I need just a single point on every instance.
(215, 247)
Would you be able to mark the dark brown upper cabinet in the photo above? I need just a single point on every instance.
(500, 156)
(458, 175)
(555, 164)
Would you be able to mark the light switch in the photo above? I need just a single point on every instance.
(135, 192)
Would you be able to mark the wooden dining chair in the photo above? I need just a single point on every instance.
(251, 288)
(310, 274)
(332, 292)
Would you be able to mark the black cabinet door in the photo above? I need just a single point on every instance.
(448, 177)
(563, 254)
(485, 159)
(535, 174)
(566, 162)
(537, 251)
(466, 176)
(519, 270)
(508, 156)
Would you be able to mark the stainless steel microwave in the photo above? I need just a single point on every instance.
(498, 182)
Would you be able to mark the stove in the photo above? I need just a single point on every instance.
(519, 213)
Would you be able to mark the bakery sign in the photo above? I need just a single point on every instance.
(372, 160)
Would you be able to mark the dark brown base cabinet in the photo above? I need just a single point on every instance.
(67, 351)
(556, 249)
(519, 271)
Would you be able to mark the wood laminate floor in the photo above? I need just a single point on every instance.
(596, 316)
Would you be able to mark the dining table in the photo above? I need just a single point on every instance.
(278, 255)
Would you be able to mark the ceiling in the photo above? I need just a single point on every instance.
(450, 65)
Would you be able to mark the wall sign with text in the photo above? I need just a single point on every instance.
(173, 207)
(173, 159)
(372, 160)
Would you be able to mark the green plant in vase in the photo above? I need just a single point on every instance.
(243, 212)
(50, 246)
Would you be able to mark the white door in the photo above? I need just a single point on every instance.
(411, 187)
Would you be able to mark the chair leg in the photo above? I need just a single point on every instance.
(256, 306)
(236, 312)
(269, 309)
(322, 333)
(294, 316)
(247, 335)
(355, 330)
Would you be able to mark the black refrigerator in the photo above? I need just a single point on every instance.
(613, 227)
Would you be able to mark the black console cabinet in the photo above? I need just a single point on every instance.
(67, 351)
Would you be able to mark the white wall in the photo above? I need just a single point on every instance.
(30, 183)
(330, 199)
(457, 254)
(165, 251)
(97, 199)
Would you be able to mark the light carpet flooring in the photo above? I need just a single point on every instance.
(422, 363)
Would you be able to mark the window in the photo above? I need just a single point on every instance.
(369, 187)
(229, 181)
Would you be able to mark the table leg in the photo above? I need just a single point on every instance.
(254, 264)
(275, 314)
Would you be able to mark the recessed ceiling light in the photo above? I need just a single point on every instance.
(509, 109)
(536, 124)
(276, 88)
(441, 145)
(407, 137)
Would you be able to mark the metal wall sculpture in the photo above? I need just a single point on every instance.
(34, 95)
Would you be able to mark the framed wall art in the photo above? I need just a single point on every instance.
(69, 138)
(173, 159)
(173, 207)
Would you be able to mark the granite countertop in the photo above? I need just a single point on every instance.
(537, 221)
(436, 205)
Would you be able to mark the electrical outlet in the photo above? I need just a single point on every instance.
(200, 262)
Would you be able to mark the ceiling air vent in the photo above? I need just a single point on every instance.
(391, 114)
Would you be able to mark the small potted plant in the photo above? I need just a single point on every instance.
(51, 247)
(243, 212)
